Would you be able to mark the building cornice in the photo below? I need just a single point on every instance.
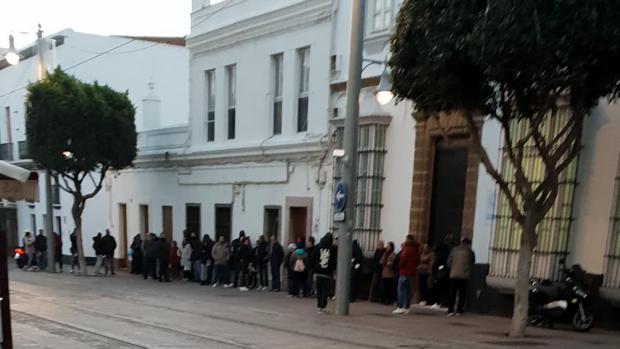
(290, 18)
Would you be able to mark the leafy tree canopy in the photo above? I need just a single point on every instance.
(93, 122)
(454, 55)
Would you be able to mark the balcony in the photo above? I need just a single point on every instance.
(6, 151)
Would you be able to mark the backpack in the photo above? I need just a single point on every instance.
(299, 266)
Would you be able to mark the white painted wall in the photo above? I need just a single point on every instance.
(595, 190)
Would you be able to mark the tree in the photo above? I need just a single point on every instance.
(78, 131)
(517, 62)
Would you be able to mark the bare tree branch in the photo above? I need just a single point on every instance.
(98, 185)
(491, 170)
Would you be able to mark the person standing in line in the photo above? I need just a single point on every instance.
(261, 257)
(136, 255)
(276, 256)
(173, 260)
(357, 258)
(440, 276)
(242, 261)
(234, 246)
(288, 263)
(164, 258)
(109, 246)
(299, 261)
(424, 272)
(206, 260)
(407, 265)
(388, 296)
(310, 248)
(460, 262)
(194, 242)
(220, 255)
(40, 246)
(186, 263)
(28, 242)
(149, 269)
(73, 250)
(377, 269)
(58, 250)
(325, 260)
(98, 248)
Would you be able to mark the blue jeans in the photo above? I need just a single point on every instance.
(404, 292)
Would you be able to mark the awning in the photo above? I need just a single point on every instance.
(17, 183)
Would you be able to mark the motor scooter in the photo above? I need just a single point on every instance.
(567, 300)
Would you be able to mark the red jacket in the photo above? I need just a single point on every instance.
(409, 259)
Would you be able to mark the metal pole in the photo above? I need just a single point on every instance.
(5, 308)
(49, 209)
(349, 161)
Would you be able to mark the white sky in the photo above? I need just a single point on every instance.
(128, 17)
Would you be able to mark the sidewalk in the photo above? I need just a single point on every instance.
(127, 309)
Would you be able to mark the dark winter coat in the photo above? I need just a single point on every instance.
(277, 254)
(196, 247)
(108, 245)
(73, 243)
(40, 243)
(150, 248)
(243, 256)
(206, 249)
(261, 254)
(357, 256)
(98, 245)
(163, 247)
(325, 257)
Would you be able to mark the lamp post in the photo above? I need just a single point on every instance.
(349, 161)
(13, 58)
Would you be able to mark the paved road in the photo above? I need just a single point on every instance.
(65, 311)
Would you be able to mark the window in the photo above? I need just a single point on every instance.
(371, 155)
(611, 278)
(192, 218)
(231, 78)
(277, 93)
(380, 15)
(210, 105)
(33, 223)
(56, 195)
(553, 230)
(304, 85)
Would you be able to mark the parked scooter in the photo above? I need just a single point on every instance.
(566, 300)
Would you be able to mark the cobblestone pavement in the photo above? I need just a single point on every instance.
(124, 311)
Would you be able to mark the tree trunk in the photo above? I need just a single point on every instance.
(521, 304)
(77, 219)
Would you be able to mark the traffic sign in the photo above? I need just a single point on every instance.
(340, 197)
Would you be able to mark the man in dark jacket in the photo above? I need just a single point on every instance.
(242, 261)
(163, 256)
(150, 256)
(194, 257)
(109, 245)
(357, 257)
(276, 256)
(261, 257)
(325, 261)
(407, 266)
(234, 248)
(206, 260)
(40, 247)
(310, 248)
(99, 252)
(73, 250)
(58, 250)
(376, 269)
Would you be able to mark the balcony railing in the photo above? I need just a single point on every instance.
(6, 151)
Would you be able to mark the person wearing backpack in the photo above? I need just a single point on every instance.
(299, 262)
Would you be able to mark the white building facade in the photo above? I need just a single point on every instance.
(152, 70)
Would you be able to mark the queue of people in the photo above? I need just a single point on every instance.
(439, 275)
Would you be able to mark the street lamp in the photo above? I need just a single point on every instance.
(384, 93)
(12, 57)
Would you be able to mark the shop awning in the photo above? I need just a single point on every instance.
(17, 183)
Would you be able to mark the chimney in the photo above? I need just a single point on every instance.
(151, 109)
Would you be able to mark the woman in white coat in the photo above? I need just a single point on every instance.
(186, 264)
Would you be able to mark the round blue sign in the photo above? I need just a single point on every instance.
(340, 197)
